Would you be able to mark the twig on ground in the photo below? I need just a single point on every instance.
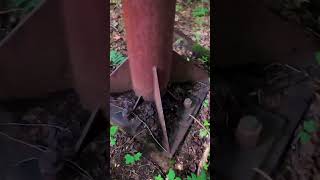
(43, 147)
(129, 140)
(43, 125)
(25, 160)
(149, 131)
(10, 10)
(156, 166)
(83, 173)
(313, 32)
(203, 158)
(22, 142)
(272, 64)
(292, 68)
(117, 106)
(265, 175)
(172, 95)
(136, 104)
(200, 123)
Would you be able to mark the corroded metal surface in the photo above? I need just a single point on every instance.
(56, 47)
(157, 98)
(120, 79)
(152, 63)
(182, 71)
(87, 38)
(34, 56)
(149, 29)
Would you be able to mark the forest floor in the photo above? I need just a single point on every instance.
(302, 161)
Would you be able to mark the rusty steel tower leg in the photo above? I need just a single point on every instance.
(152, 63)
(149, 30)
(86, 39)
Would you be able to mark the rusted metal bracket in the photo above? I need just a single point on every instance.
(157, 98)
(183, 71)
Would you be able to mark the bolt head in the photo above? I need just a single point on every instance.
(187, 103)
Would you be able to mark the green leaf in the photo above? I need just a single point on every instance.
(113, 141)
(203, 133)
(304, 137)
(205, 166)
(177, 178)
(171, 174)
(178, 8)
(158, 177)
(200, 11)
(310, 126)
(206, 123)
(137, 156)
(116, 58)
(193, 177)
(204, 59)
(129, 159)
(317, 56)
(203, 176)
(206, 103)
(113, 130)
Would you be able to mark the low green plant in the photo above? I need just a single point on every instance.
(206, 103)
(198, 36)
(205, 166)
(202, 176)
(116, 58)
(178, 8)
(309, 127)
(204, 132)
(113, 132)
(129, 159)
(201, 52)
(200, 12)
(170, 176)
(159, 177)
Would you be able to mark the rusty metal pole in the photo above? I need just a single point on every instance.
(86, 31)
(149, 31)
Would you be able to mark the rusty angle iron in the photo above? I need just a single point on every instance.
(152, 63)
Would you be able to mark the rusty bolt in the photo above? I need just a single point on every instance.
(187, 103)
(248, 131)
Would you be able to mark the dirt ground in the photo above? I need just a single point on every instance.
(55, 124)
(187, 158)
(302, 160)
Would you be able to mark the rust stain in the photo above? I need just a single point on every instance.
(149, 29)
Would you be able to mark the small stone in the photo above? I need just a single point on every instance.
(179, 166)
